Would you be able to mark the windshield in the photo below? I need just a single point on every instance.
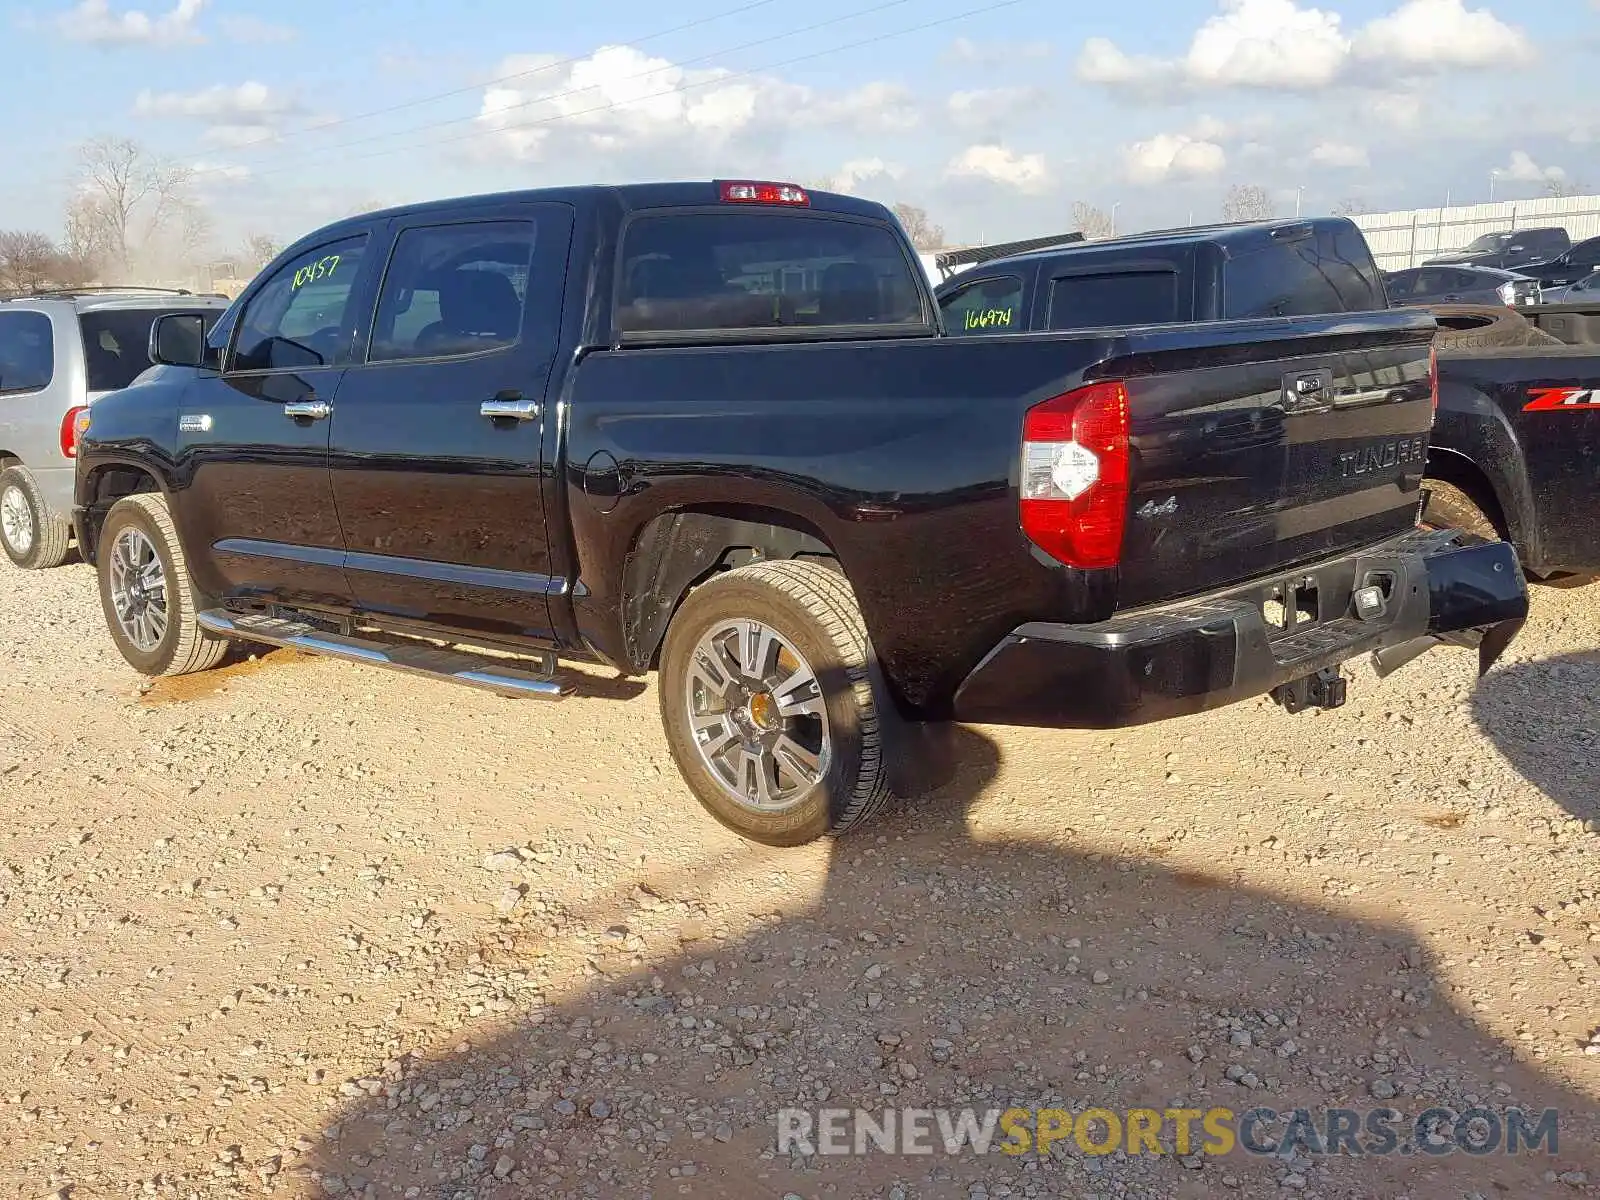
(1491, 241)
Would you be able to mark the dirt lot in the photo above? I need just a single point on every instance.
(299, 928)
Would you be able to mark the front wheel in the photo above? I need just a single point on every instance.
(150, 605)
(769, 706)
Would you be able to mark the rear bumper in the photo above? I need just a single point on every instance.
(1162, 662)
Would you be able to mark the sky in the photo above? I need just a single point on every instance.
(996, 116)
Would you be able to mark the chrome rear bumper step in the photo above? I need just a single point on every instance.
(474, 670)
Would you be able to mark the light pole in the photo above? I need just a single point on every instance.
(1493, 176)
(1299, 195)
(1114, 208)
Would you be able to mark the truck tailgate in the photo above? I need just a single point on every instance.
(1263, 445)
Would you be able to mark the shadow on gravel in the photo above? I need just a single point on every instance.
(947, 963)
(1543, 717)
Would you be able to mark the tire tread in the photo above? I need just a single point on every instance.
(196, 649)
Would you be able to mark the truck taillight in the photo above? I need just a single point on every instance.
(1075, 475)
(749, 192)
(73, 426)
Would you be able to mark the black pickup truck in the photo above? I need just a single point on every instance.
(1516, 445)
(718, 430)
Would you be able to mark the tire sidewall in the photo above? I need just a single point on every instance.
(814, 815)
(154, 662)
(15, 477)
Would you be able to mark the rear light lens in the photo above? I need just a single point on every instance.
(73, 426)
(1075, 475)
(764, 193)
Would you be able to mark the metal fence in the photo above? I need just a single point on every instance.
(1405, 239)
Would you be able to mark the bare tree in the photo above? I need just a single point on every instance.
(27, 260)
(1247, 202)
(924, 234)
(1349, 207)
(1092, 222)
(259, 250)
(1560, 186)
(131, 203)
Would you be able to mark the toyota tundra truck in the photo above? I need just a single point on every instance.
(719, 431)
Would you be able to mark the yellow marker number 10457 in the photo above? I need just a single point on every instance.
(311, 272)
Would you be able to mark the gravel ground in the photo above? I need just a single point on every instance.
(302, 929)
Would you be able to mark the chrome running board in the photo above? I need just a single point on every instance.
(474, 670)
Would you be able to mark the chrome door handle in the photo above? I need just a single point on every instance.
(314, 410)
(516, 410)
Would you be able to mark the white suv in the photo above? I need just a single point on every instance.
(59, 353)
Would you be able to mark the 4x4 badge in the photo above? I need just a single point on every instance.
(194, 423)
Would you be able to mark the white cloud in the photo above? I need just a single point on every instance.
(990, 108)
(620, 100)
(995, 163)
(857, 171)
(207, 173)
(1443, 33)
(248, 104)
(1172, 156)
(1522, 169)
(253, 31)
(94, 21)
(1280, 45)
(1339, 154)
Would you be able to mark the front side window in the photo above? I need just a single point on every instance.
(987, 306)
(300, 316)
(454, 289)
(27, 352)
(746, 271)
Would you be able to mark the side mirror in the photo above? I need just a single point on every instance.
(179, 340)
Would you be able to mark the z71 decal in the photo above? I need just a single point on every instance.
(1561, 399)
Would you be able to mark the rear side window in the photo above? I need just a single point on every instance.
(1330, 271)
(27, 352)
(1104, 301)
(116, 344)
(987, 306)
(453, 290)
(1586, 254)
(748, 271)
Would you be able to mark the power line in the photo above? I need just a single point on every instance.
(488, 83)
(428, 125)
(721, 79)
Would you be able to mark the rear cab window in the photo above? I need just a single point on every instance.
(985, 306)
(714, 275)
(1328, 269)
(27, 352)
(116, 342)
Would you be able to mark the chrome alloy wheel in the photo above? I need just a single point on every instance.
(16, 521)
(757, 715)
(139, 589)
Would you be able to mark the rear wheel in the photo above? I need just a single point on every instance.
(769, 705)
(1449, 507)
(34, 538)
(150, 605)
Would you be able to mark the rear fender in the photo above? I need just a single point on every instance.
(1471, 433)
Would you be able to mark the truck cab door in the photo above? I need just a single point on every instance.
(254, 501)
(437, 437)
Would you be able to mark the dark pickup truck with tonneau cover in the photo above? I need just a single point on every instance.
(717, 430)
(1516, 443)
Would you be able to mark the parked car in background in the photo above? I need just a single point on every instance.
(1583, 259)
(1203, 273)
(59, 353)
(1509, 248)
(1584, 290)
(1460, 285)
(717, 430)
(1517, 437)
